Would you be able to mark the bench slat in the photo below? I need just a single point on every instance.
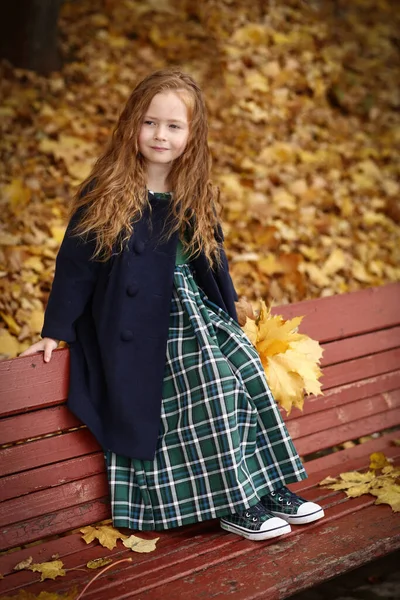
(348, 393)
(361, 345)
(54, 523)
(29, 383)
(41, 422)
(46, 451)
(336, 317)
(347, 413)
(361, 368)
(348, 431)
(50, 500)
(338, 460)
(13, 486)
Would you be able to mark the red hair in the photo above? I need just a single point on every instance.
(117, 183)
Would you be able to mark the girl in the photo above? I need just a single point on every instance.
(161, 372)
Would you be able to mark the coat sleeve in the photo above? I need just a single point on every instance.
(73, 284)
(219, 235)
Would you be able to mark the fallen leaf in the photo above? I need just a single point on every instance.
(49, 570)
(9, 346)
(384, 485)
(97, 563)
(106, 534)
(138, 544)
(388, 495)
(24, 564)
(378, 460)
(24, 595)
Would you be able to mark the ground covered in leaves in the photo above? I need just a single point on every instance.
(303, 99)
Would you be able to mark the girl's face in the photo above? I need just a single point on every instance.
(165, 129)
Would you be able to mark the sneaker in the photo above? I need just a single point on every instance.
(255, 523)
(292, 508)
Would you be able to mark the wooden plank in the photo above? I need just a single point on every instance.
(46, 451)
(343, 413)
(345, 394)
(361, 368)
(13, 486)
(294, 564)
(338, 460)
(52, 499)
(361, 345)
(348, 431)
(358, 460)
(54, 523)
(177, 539)
(72, 544)
(28, 383)
(152, 568)
(37, 423)
(337, 317)
(150, 576)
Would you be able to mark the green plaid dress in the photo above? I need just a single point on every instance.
(222, 442)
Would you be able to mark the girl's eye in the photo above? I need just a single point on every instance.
(174, 126)
(147, 122)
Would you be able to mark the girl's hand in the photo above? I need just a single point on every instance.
(46, 345)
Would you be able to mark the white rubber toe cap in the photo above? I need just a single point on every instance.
(275, 523)
(307, 513)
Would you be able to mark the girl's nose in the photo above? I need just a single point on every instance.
(159, 134)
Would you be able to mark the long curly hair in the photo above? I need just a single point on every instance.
(114, 196)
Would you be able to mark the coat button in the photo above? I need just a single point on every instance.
(132, 289)
(138, 246)
(126, 335)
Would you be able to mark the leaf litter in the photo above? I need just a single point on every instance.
(304, 115)
(381, 480)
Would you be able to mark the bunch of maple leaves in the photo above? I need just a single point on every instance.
(303, 103)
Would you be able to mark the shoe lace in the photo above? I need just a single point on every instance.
(254, 512)
(283, 494)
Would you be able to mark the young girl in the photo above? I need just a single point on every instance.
(161, 372)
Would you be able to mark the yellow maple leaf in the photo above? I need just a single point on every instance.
(138, 544)
(49, 570)
(251, 330)
(106, 535)
(24, 595)
(378, 461)
(286, 386)
(384, 486)
(389, 494)
(97, 563)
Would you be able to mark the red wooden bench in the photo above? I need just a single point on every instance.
(53, 482)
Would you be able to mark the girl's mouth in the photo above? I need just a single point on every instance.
(158, 148)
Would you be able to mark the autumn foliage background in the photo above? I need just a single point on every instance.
(303, 100)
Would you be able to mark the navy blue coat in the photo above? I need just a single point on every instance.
(115, 317)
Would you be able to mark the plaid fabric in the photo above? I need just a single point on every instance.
(283, 501)
(222, 442)
(251, 519)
